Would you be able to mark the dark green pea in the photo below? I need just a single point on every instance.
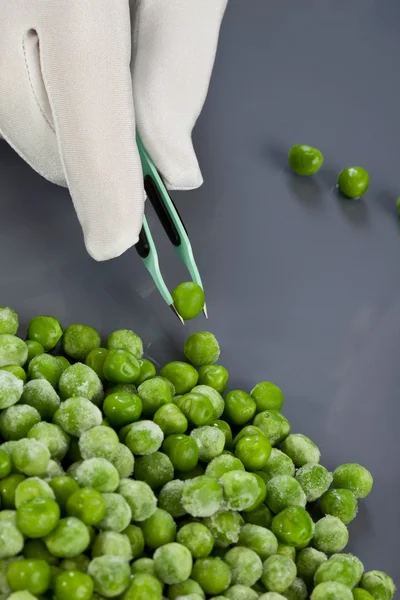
(155, 469)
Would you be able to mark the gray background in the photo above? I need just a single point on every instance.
(303, 287)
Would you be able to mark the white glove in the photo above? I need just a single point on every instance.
(76, 79)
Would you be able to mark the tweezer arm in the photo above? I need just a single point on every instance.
(167, 213)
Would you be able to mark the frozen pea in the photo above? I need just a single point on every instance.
(8, 320)
(70, 538)
(154, 393)
(222, 464)
(170, 498)
(210, 441)
(136, 539)
(259, 516)
(99, 442)
(215, 398)
(127, 340)
(331, 590)
(187, 588)
(202, 496)
(99, 474)
(155, 469)
(16, 421)
(343, 568)
(314, 479)
(246, 566)
(143, 565)
(159, 529)
(330, 535)
(240, 489)
(308, 560)
(81, 381)
(112, 543)
(279, 572)
(15, 370)
(9, 515)
(11, 540)
(78, 563)
(30, 488)
(197, 538)
(293, 526)
(54, 469)
(144, 437)
(79, 340)
(278, 464)
(212, 574)
(140, 498)
(215, 376)
(110, 574)
(378, 584)
(170, 419)
(202, 348)
(64, 362)
(340, 503)
(30, 457)
(13, 351)
(239, 407)
(77, 415)
(240, 592)
(262, 541)
(275, 426)
(267, 396)
(182, 376)
(173, 563)
(284, 491)
(301, 449)
(118, 513)
(11, 388)
(24, 595)
(123, 461)
(286, 550)
(353, 477)
(225, 526)
(271, 596)
(144, 586)
(53, 437)
(360, 594)
(297, 591)
(46, 367)
(195, 472)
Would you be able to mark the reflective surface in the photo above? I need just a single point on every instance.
(303, 287)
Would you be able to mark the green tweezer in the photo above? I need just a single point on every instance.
(173, 226)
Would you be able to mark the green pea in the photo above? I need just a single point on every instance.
(301, 449)
(202, 348)
(127, 340)
(136, 540)
(46, 331)
(8, 487)
(32, 575)
(197, 538)
(340, 503)
(188, 587)
(38, 517)
(225, 526)
(314, 479)
(147, 370)
(330, 535)
(110, 574)
(73, 585)
(279, 572)
(279, 464)
(64, 362)
(343, 568)
(226, 430)
(182, 450)
(267, 396)
(173, 563)
(222, 464)
(202, 496)
(308, 560)
(182, 375)
(261, 516)
(198, 409)
(79, 340)
(122, 408)
(16, 371)
(155, 469)
(158, 529)
(8, 320)
(188, 300)
(245, 564)
(353, 182)
(10, 389)
(142, 587)
(170, 419)
(284, 491)
(32, 488)
(196, 472)
(154, 393)
(121, 366)
(360, 594)
(143, 565)
(69, 538)
(254, 451)
(37, 549)
(95, 360)
(212, 574)
(63, 487)
(215, 376)
(45, 366)
(87, 505)
(5, 464)
(241, 490)
(170, 498)
(353, 477)
(288, 551)
(210, 442)
(30, 457)
(305, 160)
(239, 407)
(378, 584)
(293, 526)
(275, 426)
(331, 590)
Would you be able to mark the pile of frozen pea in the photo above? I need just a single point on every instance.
(116, 482)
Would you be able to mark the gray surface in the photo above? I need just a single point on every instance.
(303, 288)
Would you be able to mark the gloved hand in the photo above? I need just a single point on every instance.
(76, 79)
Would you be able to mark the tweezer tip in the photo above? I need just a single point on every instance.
(205, 311)
(173, 308)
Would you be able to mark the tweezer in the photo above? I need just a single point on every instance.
(173, 226)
